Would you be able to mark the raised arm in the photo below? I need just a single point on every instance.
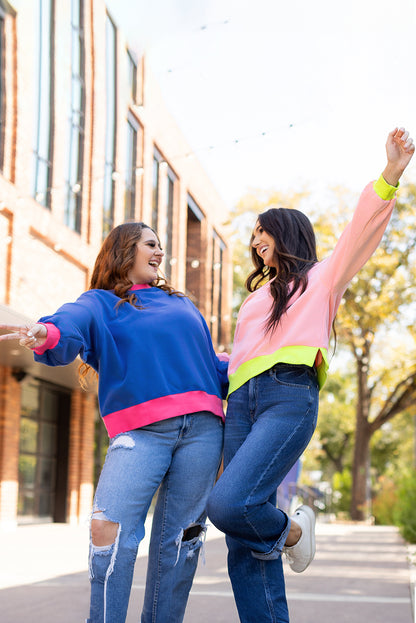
(362, 235)
(399, 149)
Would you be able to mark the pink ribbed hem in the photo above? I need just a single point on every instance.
(161, 409)
(52, 338)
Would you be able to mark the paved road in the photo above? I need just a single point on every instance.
(360, 575)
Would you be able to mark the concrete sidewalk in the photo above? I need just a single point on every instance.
(360, 574)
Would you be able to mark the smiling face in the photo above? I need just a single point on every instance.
(264, 245)
(148, 258)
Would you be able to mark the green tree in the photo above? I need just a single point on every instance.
(376, 323)
(336, 423)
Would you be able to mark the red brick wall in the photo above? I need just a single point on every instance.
(81, 456)
(9, 445)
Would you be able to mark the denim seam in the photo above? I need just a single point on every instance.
(267, 592)
(181, 434)
(110, 570)
(278, 547)
(162, 534)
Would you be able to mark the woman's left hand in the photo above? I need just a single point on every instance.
(400, 149)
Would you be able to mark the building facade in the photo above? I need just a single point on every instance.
(86, 143)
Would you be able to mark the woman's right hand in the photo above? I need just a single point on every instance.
(30, 336)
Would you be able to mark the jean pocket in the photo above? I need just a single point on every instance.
(296, 376)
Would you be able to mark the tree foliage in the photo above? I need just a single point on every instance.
(376, 322)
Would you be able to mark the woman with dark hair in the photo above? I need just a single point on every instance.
(160, 395)
(277, 366)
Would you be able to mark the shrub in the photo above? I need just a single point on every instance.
(385, 502)
(405, 515)
(341, 484)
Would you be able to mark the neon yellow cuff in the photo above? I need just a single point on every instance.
(384, 190)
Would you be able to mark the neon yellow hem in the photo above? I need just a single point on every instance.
(288, 354)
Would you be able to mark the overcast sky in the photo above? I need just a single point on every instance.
(274, 94)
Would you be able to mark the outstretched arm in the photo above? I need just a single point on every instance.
(362, 235)
(30, 336)
(58, 339)
(399, 149)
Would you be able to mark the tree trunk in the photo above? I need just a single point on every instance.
(360, 503)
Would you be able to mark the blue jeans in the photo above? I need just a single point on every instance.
(179, 456)
(270, 421)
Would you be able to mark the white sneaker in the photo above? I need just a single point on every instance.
(301, 554)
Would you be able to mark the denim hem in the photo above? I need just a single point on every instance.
(276, 550)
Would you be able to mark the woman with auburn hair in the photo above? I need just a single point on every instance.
(277, 366)
(160, 389)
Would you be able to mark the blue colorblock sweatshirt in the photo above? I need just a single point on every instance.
(154, 362)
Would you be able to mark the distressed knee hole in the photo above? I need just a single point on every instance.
(193, 532)
(191, 540)
(122, 441)
(103, 531)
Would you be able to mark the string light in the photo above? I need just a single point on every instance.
(211, 24)
(235, 141)
(116, 175)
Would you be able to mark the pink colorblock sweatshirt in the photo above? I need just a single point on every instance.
(302, 335)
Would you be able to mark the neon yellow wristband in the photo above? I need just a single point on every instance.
(384, 190)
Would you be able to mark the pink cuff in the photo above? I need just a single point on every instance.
(223, 356)
(52, 338)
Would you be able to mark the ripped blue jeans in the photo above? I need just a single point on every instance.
(179, 456)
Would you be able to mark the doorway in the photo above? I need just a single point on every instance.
(43, 452)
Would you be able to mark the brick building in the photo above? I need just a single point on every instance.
(86, 143)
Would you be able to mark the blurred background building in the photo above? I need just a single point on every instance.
(86, 143)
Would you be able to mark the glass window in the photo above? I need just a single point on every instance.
(170, 201)
(42, 407)
(2, 90)
(109, 167)
(131, 165)
(194, 251)
(217, 258)
(132, 76)
(155, 196)
(42, 148)
(73, 208)
(28, 435)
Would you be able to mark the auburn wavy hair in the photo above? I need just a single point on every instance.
(112, 266)
(294, 255)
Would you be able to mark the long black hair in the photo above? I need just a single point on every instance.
(294, 255)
